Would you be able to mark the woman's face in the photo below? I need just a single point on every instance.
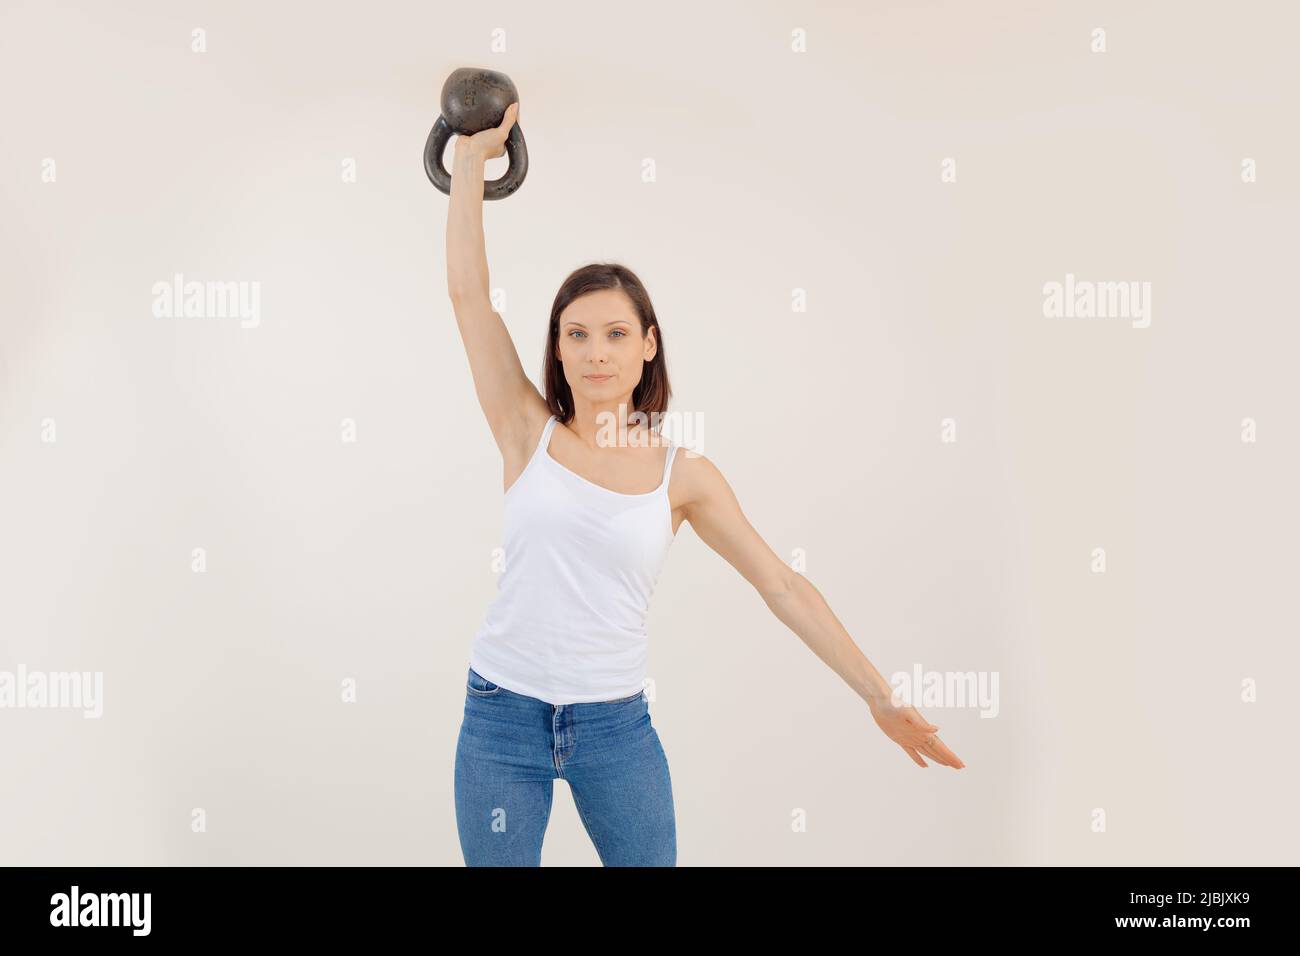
(601, 346)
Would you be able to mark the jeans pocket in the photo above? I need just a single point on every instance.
(480, 686)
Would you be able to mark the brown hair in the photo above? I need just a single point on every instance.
(652, 393)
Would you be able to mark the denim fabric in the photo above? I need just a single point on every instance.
(512, 748)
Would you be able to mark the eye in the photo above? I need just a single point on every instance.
(619, 331)
(576, 332)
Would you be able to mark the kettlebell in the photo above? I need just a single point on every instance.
(473, 100)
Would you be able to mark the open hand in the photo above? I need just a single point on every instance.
(904, 725)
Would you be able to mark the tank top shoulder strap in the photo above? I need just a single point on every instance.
(668, 464)
(546, 436)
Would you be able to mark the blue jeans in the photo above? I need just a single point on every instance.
(512, 748)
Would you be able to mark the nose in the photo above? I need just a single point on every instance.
(595, 349)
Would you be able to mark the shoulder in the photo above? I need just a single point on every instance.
(696, 478)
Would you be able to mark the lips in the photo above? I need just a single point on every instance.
(598, 378)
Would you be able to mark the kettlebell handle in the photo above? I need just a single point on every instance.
(474, 100)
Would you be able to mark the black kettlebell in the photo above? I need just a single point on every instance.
(473, 100)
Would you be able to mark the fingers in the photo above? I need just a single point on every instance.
(914, 755)
(930, 751)
(938, 751)
(932, 746)
(950, 758)
(511, 115)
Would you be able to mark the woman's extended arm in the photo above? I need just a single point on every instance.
(711, 507)
(510, 402)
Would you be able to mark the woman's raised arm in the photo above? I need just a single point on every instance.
(510, 402)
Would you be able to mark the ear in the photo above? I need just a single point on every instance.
(652, 345)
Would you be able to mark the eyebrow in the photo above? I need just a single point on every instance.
(607, 324)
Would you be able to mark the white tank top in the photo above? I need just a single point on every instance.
(568, 624)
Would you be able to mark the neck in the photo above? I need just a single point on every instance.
(604, 424)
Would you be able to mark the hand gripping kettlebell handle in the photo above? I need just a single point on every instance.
(516, 152)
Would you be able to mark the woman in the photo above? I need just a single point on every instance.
(556, 670)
